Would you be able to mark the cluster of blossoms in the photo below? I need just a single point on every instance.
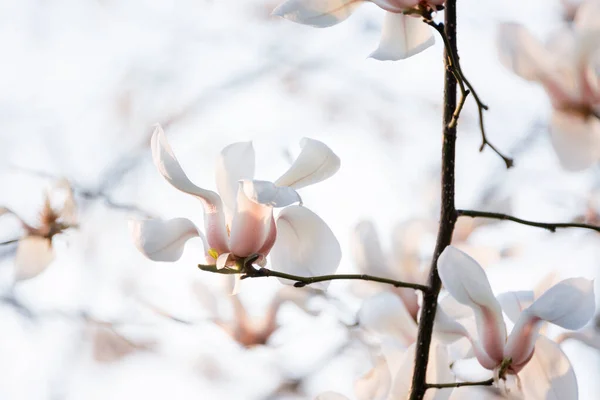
(238, 220)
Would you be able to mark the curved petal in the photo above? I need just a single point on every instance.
(446, 329)
(588, 17)
(549, 374)
(317, 13)
(305, 245)
(161, 240)
(466, 281)
(513, 303)
(34, 254)
(331, 396)
(402, 36)
(267, 193)
(250, 226)
(576, 139)
(367, 252)
(569, 304)
(168, 166)
(396, 6)
(222, 260)
(522, 53)
(375, 384)
(315, 163)
(385, 314)
(235, 163)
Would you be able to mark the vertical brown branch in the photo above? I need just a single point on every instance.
(447, 217)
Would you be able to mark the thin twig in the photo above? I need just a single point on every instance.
(488, 382)
(9, 242)
(454, 64)
(301, 281)
(551, 226)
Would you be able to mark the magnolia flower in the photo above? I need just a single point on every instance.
(568, 68)
(238, 220)
(402, 35)
(569, 304)
(34, 250)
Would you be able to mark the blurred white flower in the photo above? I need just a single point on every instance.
(569, 69)
(569, 304)
(402, 35)
(239, 219)
(34, 249)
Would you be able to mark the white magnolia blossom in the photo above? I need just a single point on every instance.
(402, 35)
(569, 69)
(238, 220)
(569, 304)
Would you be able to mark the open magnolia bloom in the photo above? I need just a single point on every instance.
(34, 250)
(402, 35)
(568, 304)
(569, 69)
(238, 220)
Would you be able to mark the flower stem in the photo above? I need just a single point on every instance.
(551, 226)
(488, 382)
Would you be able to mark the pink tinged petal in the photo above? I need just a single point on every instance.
(331, 396)
(513, 303)
(375, 384)
(34, 254)
(168, 166)
(549, 374)
(268, 244)
(576, 139)
(569, 304)
(396, 6)
(315, 163)
(250, 227)
(267, 193)
(305, 245)
(317, 13)
(385, 314)
(466, 281)
(235, 163)
(587, 18)
(161, 240)
(402, 36)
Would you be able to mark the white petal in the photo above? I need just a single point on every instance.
(513, 303)
(576, 139)
(569, 304)
(446, 328)
(222, 260)
(402, 36)
(317, 13)
(375, 384)
(331, 396)
(267, 193)
(305, 245)
(549, 374)
(34, 254)
(161, 240)
(250, 226)
(588, 17)
(466, 281)
(168, 166)
(523, 53)
(315, 163)
(235, 163)
(367, 252)
(385, 314)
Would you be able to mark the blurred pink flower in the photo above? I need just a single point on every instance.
(569, 69)
(402, 35)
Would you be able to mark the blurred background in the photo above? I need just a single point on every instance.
(82, 82)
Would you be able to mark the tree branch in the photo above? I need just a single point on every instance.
(251, 272)
(454, 65)
(551, 226)
(448, 212)
(488, 382)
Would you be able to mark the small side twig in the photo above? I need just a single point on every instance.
(462, 81)
(488, 382)
(551, 226)
(249, 271)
